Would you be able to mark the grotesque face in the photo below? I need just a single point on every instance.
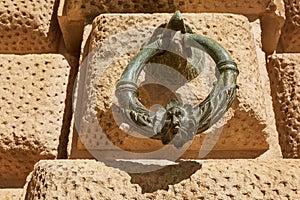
(177, 116)
(179, 125)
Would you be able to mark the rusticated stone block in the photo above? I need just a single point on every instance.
(248, 134)
(218, 179)
(284, 75)
(33, 98)
(28, 27)
(290, 36)
(75, 13)
(90, 9)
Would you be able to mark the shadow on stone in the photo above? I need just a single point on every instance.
(162, 178)
(67, 117)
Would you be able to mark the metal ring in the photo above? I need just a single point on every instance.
(191, 120)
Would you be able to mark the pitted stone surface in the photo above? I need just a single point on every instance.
(33, 93)
(290, 37)
(218, 179)
(285, 84)
(89, 8)
(28, 26)
(70, 179)
(75, 13)
(248, 134)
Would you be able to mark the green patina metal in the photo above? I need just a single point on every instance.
(177, 123)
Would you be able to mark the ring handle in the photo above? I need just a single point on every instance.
(178, 123)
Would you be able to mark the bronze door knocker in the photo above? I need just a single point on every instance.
(177, 123)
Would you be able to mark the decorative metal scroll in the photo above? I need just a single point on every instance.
(177, 123)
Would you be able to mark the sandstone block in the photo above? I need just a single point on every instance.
(10, 194)
(249, 127)
(284, 75)
(218, 179)
(73, 14)
(290, 37)
(33, 99)
(28, 27)
(90, 9)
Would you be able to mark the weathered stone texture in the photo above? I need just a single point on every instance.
(33, 93)
(290, 37)
(284, 72)
(10, 194)
(218, 179)
(90, 9)
(28, 27)
(75, 13)
(247, 134)
(78, 180)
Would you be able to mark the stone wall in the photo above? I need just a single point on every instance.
(77, 13)
(44, 44)
(285, 75)
(218, 179)
(290, 41)
(33, 95)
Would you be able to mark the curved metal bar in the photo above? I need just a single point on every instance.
(127, 90)
(220, 55)
(224, 91)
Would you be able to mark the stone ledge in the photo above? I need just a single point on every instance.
(210, 179)
(74, 14)
(88, 9)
